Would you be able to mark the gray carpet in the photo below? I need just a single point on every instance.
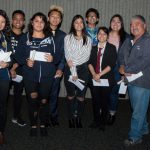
(63, 138)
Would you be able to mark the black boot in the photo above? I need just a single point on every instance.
(78, 122)
(111, 119)
(71, 123)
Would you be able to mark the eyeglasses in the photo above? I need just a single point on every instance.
(91, 16)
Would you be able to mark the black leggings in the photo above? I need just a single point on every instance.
(38, 95)
(17, 101)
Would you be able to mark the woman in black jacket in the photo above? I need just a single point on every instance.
(102, 61)
(37, 73)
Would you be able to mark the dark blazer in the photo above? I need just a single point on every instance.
(109, 59)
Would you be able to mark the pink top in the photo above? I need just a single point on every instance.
(114, 40)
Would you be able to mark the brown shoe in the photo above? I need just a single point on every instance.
(2, 139)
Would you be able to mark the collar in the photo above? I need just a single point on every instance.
(102, 51)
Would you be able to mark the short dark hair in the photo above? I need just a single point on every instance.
(18, 12)
(92, 10)
(139, 17)
(105, 29)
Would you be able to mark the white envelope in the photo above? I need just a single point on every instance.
(77, 83)
(123, 88)
(134, 76)
(5, 56)
(103, 82)
(38, 56)
(18, 78)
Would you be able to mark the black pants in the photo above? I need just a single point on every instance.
(17, 101)
(100, 100)
(4, 88)
(38, 108)
(72, 91)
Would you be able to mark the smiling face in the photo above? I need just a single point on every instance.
(92, 18)
(2, 23)
(18, 21)
(78, 24)
(115, 24)
(38, 24)
(137, 27)
(54, 19)
(102, 36)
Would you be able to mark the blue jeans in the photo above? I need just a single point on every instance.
(114, 96)
(139, 98)
(54, 98)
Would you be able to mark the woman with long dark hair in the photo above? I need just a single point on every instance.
(117, 35)
(37, 73)
(77, 52)
(4, 72)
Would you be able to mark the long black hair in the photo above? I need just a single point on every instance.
(30, 26)
(73, 31)
(122, 32)
(7, 27)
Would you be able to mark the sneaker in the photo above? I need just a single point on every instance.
(19, 122)
(14, 120)
(131, 142)
(111, 119)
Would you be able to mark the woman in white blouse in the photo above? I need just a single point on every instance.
(77, 53)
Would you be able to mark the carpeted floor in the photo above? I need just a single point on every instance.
(63, 138)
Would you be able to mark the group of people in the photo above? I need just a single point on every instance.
(87, 55)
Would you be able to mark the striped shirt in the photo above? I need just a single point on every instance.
(76, 51)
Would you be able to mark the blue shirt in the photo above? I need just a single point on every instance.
(92, 33)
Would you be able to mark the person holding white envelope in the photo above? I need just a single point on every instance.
(77, 52)
(102, 61)
(134, 60)
(35, 52)
(4, 72)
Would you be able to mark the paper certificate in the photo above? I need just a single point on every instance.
(5, 56)
(17, 79)
(123, 88)
(38, 56)
(134, 76)
(77, 83)
(102, 82)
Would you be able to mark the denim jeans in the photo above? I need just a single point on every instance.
(139, 98)
(114, 96)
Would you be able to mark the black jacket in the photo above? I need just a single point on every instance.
(109, 59)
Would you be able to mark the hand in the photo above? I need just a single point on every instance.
(127, 74)
(13, 73)
(70, 63)
(122, 70)
(3, 64)
(48, 57)
(96, 77)
(30, 63)
(59, 73)
(74, 78)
